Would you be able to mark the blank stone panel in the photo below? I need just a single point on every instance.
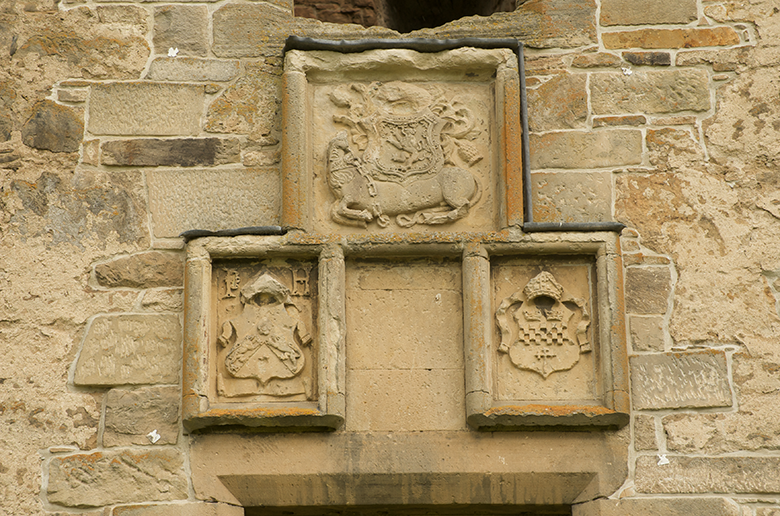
(404, 345)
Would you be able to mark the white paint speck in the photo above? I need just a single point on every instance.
(662, 460)
(173, 51)
(627, 71)
(153, 436)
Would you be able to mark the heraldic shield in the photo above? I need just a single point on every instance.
(543, 329)
(264, 341)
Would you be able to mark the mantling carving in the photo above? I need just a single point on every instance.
(550, 327)
(405, 154)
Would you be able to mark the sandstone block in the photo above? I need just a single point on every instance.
(212, 199)
(140, 108)
(5, 127)
(130, 350)
(572, 196)
(90, 152)
(251, 30)
(579, 149)
(741, 475)
(671, 38)
(73, 95)
(648, 58)
(650, 92)
(193, 69)
(560, 103)
(132, 415)
(721, 60)
(658, 507)
(597, 60)
(637, 12)
(182, 152)
(181, 26)
(122, 476)
(647, 333)
(680, 380)
(142, 270)
(163, 300)
(648, 289)
(644, 433)
(179, 509)
(609, 121)
(53, 127)
(768, 511)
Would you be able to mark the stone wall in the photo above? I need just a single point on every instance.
(124, 124)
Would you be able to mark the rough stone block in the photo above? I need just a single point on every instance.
(180, 509)
(193, 69)
(560, 103)
(644, 433)
(647, 333)
(251, 30)
(163, 300)
(671, 38)
(181, 26)
(610, 121)
(132, 415)
(579, 149)
(142, 270)
(768, 511)
(597, 60)
(73, 95)
(648, 289)
(182, 152)
(130, 350)
(53, 127)
(141, 108)
(572, 196)
(680, 380)
(741, 475)
(648, 58)
(212, 199)
(639, 12)
(122, 476)
(650, 92)
(658, 507)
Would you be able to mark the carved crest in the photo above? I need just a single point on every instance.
(264, 341)
(548, 328)
(404, 156)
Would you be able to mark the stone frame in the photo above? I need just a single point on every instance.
(198, 410)
(611, 406)
(508, 84)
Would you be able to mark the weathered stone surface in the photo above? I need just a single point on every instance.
(597, 60)
(73, 95)
(183, 152)
(673, 148)
(212, 199)
(250, 106)
(129, 15)
(659, 507)
(610, 121)
(251, 30)
(644, 433)
(671, 38)
(768, 511)
(560, 103)
(680, 380)
(572, 196)
(648, 58)
(131, 415)
(163, 300)
(647, 333)
(138, 108)
(576, 149)
(181, 26)
(650, 92)
(405, 385)
(647, 290)
(741, 475)
(193, 69)
(721, 60)
(180, 509)
(122, 476)
(130, 350)
(636, 12)
(142, 270)
(53, 127)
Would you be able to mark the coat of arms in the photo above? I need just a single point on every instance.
(542, 328)
(263, 343)
(404, 156)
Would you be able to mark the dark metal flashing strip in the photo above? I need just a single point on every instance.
(251, 230)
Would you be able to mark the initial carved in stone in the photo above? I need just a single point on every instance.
(264, 342)
(406, 154)
(548, 328)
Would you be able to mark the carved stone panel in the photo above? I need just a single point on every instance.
(543, 329)
(394, 140)
(265, 318)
